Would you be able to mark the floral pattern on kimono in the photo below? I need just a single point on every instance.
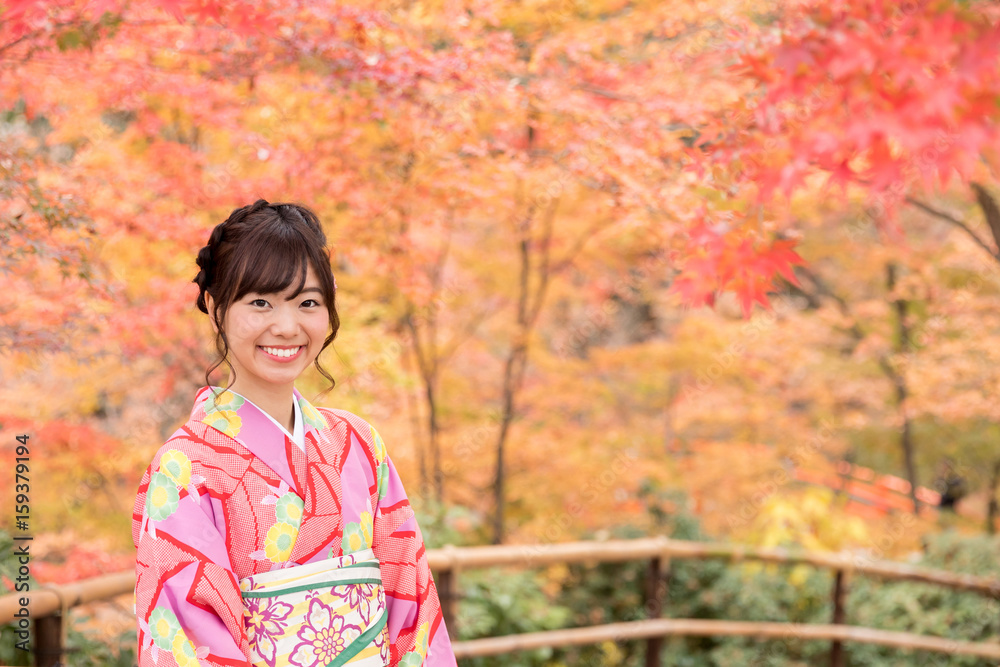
(230, 495)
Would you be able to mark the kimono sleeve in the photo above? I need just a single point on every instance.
(417, 632)
(187, 599)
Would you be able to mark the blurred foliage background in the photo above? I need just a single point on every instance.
(718, 270)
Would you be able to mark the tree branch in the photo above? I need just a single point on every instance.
(990, 210)
(947, 217)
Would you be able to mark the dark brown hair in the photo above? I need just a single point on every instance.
(260, 248)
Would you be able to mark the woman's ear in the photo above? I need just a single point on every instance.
(210, 305)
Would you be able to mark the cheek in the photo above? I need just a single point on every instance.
(320, 326)
(245, 326)
(318, 335)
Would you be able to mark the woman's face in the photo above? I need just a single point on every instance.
(273, 339)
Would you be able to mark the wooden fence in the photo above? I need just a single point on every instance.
(49, 605)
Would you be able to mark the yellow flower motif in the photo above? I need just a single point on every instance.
(226, 400)
(163, 627)
(366, 526)
(175, 465)
(355, 542)
(183, 651)
(420, 643)
(226, 421)
(224, 397)
(380, 452)
(158, 498)
(161, 497)
(311, 415)
(279, 542)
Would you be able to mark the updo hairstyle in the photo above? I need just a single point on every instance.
(261, 248)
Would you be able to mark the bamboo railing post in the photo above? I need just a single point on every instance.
(447, 595)
(48, 640)
(448, 592)
(654, 607)
(839, 616)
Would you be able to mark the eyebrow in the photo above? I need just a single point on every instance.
(307, 289)
(319, 290)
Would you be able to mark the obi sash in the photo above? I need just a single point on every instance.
(324, 614)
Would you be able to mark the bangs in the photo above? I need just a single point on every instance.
(273, 260)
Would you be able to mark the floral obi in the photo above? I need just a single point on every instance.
(323, 614)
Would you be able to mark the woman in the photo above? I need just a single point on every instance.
(269, 531)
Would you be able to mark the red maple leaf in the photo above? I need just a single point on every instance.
(725, 263)
(172, 7)
(841, 175)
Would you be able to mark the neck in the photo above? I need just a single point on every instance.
(276, 401)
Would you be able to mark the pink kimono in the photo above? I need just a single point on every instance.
(230, 497)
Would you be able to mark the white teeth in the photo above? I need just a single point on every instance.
(280, 353)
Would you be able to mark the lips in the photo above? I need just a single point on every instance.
(281, 353)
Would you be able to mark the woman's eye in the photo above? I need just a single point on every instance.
(314, 302)
(258, 302)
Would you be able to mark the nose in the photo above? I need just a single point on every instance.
(285, 321)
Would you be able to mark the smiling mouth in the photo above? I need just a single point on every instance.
(281, 352)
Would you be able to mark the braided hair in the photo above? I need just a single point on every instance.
(261, 248)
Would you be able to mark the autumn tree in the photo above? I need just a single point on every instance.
(896, 102)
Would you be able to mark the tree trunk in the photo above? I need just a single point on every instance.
(499, 477)
(671, 443)
(513, 373)
(427, 362)
(991, 211)
(432, 430)
(906, 442)
(898, 377)
(993, 508)
(425, 481)
(892, 371)
(529, 304)
(430, 360)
